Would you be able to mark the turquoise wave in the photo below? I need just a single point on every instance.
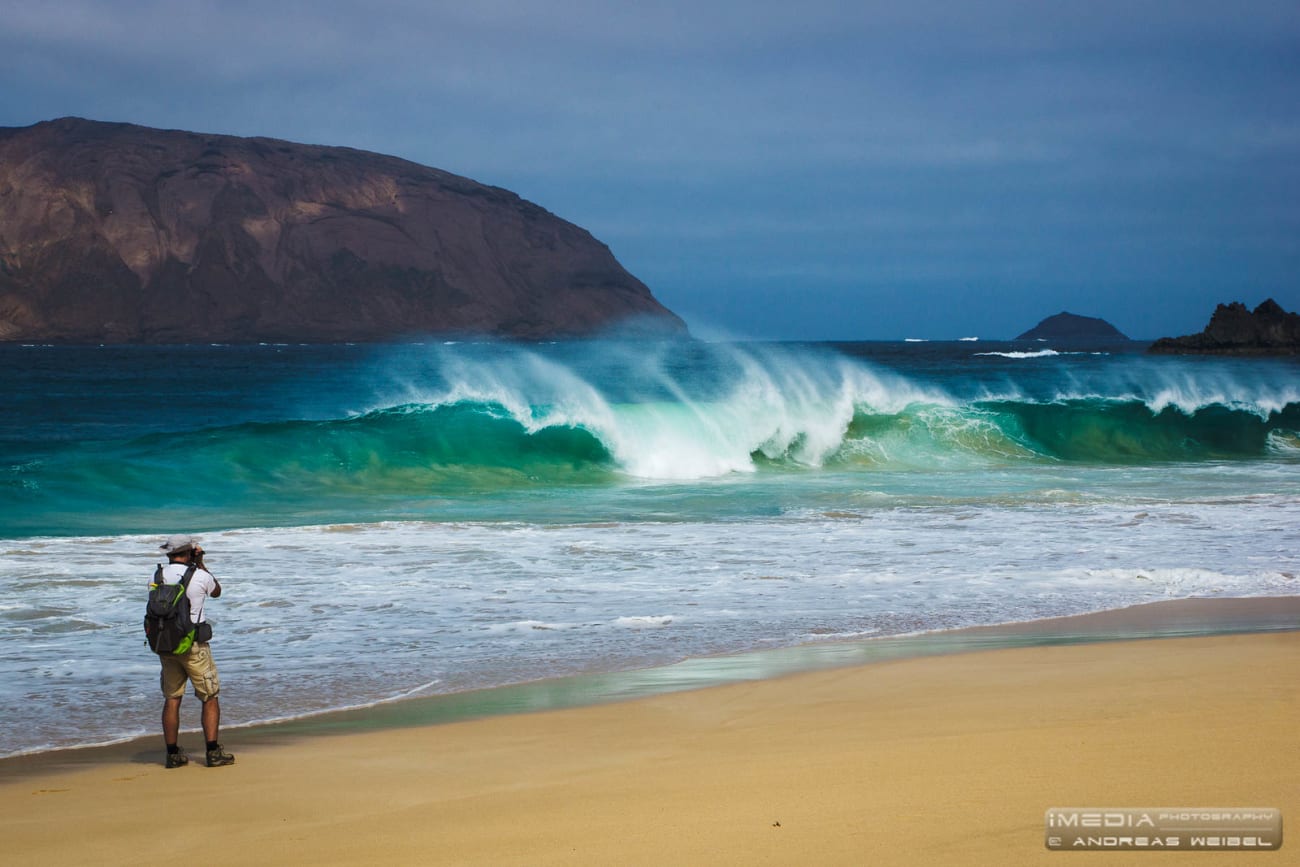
(293, 471)
(399, 447)
(1092, 430)
(1116, 431)
(135, 440)
(264, 471)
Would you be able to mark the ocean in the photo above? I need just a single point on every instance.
(407, 520)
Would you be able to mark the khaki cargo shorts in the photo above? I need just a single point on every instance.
(197, 667)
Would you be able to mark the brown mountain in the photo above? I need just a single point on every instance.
(1236, 330)
(114, 232)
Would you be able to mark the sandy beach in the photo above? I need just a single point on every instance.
(947, 760)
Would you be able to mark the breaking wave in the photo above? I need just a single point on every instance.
(517, 419)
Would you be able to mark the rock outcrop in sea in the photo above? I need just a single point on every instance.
(1069, 326)
(121, 233)
(1236, 330)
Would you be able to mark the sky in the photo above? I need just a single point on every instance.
(811, 170)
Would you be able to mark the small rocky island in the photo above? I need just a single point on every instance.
(1236, 330)
(1072, 327)
(111, 232)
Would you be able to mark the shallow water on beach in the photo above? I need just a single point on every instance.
(406, 521)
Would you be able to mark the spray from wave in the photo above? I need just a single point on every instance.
(682, 412)
(699, 412)
(456, 420)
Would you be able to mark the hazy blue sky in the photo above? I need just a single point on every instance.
(795, 169)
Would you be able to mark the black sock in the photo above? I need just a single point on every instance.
(173, 749)
(213, 745)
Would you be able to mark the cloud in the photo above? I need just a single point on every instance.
(813, 140)
(678, 86)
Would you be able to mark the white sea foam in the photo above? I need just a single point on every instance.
(469, 605)
(1041, 353)
(769, 402)
(1159, 386)
(645, 622)
(1285, 443)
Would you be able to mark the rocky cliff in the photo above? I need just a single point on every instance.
(114, 232)
(1070, 326)
(1236, 330)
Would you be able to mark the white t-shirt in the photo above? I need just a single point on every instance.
(201, 587)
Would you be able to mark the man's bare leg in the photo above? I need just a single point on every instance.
(171, 720)
(211, 718)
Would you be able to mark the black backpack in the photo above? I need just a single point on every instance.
(167, 626)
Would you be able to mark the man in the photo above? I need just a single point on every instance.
(195, 665)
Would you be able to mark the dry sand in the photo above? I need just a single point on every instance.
(948, 760)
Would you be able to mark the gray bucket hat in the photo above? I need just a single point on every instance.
(178, 543)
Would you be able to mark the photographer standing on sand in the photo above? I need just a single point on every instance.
(196, 664)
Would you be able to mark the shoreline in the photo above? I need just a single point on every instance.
(1195, 616)
(948, 759)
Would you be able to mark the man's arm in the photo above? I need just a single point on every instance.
(216, 585)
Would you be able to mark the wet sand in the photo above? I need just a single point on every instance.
(949, 759)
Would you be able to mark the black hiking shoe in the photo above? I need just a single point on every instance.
(177, 759)
(219, 757)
